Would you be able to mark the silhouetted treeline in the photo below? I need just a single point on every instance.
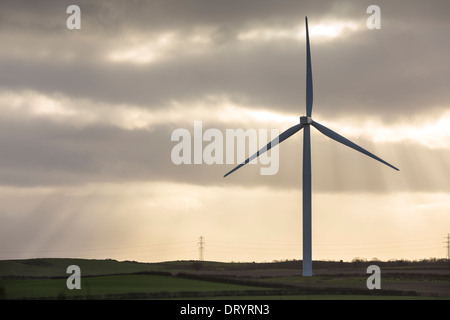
(297, 264)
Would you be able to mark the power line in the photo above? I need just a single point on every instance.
(174, 249)
(201, 248)
(448, 245)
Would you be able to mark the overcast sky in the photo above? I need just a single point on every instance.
(87, 117)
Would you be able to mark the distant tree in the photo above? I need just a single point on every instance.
(401, 262)
(358, 260)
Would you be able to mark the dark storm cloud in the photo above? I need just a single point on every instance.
(376, 81)
(391, 73)
(156, 15)
(46, 153)
(400, 68)
(43, 153)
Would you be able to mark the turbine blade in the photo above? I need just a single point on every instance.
(309, 83)
(333, 135)
(286, 134)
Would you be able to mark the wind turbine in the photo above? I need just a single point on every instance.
(305, 123)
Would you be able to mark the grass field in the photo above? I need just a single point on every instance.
(58, 267)
(114, 286)
(150, 287)
(110, 279)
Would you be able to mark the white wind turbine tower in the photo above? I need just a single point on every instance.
(305, 123)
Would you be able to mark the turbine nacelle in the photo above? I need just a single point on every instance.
(305, 120)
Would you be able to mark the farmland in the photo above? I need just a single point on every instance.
(110, 279)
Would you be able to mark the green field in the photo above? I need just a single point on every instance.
(110, 279)
(126, 286)
(58, 267)
(165, 287)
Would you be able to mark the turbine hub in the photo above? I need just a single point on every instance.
(305, 120)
